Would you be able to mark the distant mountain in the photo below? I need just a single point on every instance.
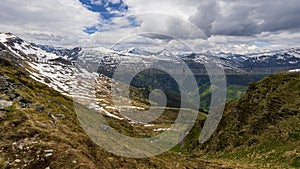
(105, 61)
(60, 74)
(283, 59)
(277, 60)
(289, 58)
(165, 52)
(261, 128)
(137, 51)
(71, 54)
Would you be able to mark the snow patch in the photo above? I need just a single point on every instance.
(162, 129)
(295, 70)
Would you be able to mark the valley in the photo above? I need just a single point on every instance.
(42, 87)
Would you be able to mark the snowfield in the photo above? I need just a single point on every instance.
(82, 82)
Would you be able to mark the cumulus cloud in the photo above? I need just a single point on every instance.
(266, 41)
(246, 18)
(169, 26)
(64, 21)
(177, 8)
(109, 38)
(207, 13)
(229, 24)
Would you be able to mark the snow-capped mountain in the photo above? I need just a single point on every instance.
(280, 59)
(107, 60)
(70, 54)
(44, 66)
(232, 57)
(52, 69)
(283, 58)
(137, 51)
(79, 81)
(197, 61)
(165, 52)
(31, 51)
(73, 71)
(289, 58)
(24, 49)
(143, 52)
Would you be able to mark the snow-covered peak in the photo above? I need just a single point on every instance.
(32, 51)
(5, 36)
(293, 52)
(165, 52)
(137, 51)
(67, 53)
(24, 49)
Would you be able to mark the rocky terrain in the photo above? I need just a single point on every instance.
(40, 129)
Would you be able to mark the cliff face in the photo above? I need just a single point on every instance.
(263, 126)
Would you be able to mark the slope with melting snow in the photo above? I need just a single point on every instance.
(24, 49)
(69, 80)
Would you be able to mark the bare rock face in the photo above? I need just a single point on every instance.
(7, 87)
(4, 104)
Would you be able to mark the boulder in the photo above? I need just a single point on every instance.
(39, 108)
(4, 104)
(62, 116)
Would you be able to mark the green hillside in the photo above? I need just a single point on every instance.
(39, 129)
(262, 129)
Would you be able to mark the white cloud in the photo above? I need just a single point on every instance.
(243, 26)
(110, 38)
(114, 1)
(96, 2)
(177, 8)
(154, 30)
(169, 25)
(246, 18)
(266, 41)
(63, 21)
(104, 2)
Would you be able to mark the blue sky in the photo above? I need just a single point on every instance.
(106, 9)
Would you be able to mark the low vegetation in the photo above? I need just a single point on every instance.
(41, 129)
(262, 128)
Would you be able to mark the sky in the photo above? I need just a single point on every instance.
(238, 26)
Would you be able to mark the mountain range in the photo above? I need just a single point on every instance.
(40, 128)
(281, 59)
(60, 68)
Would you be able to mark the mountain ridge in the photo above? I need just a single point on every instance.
(289, 58)
(39, 112)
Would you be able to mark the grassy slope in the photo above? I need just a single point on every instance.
(262, 129)
(234, 92)
(25, 134)
(259, 130)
